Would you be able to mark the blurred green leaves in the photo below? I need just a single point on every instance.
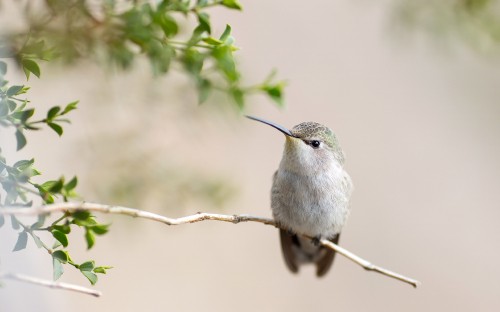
(120, 34)
(475, 23)
(22, 241)
(232, 4)
(30, 66)
(168, 34)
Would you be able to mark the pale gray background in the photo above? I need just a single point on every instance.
(420, 126)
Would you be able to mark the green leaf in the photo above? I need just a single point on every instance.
(71, 184)
(160, 57)
(61, 255)
(12, 105)
(15, 223)
(61, 237)
(81, 215)
(24, 115)
(31, 127)
(49, 187)
(238, 97)
(47, 197)
(23, 105)
(33, 47)
(22, 240)
(89, 238)
(223, 54)
(275, 92)
(121, 55)
(30, 172)
(14, 90)
(227, 32)
(87, 266)
(12, 195)
(24, 164)
(65, 228)
(71, 106)
(193, 61)
(232, 4)
(92, 277)
(57, 267)
(204, 87)
(57, 128)
(201, 3)
(85, 223)
(204, 22)
(37, 240)
(4, 108)
(212, 41)
(21, 140)
(197, 33)
(102, 269)
(168, 25)
(53, 186)
(100, 229)
(30, 66)
(53, 112)
(56, 244)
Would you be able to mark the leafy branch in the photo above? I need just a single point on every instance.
(136, 213)
(60, 229)
(119, 34)
(109, 33)
(14, 113)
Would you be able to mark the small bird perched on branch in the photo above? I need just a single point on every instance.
(310, 194)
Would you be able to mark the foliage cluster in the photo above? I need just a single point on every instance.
(473, 22)
(110, 32)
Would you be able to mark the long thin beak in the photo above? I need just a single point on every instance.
(284, 130)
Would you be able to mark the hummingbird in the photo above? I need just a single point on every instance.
(310, 194)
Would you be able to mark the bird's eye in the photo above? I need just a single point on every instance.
(315, 143)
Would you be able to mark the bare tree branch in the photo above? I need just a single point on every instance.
(71, 207)
(50, 284)
(368, 265)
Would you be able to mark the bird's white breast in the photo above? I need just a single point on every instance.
(315, 204)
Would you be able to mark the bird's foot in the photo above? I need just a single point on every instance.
(316, 240)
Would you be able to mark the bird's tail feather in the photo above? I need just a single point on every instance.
(297, 250)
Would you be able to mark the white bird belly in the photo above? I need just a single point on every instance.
(316, 205)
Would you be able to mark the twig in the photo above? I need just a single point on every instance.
(50, 284)
(368, 265)
(72, 207)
